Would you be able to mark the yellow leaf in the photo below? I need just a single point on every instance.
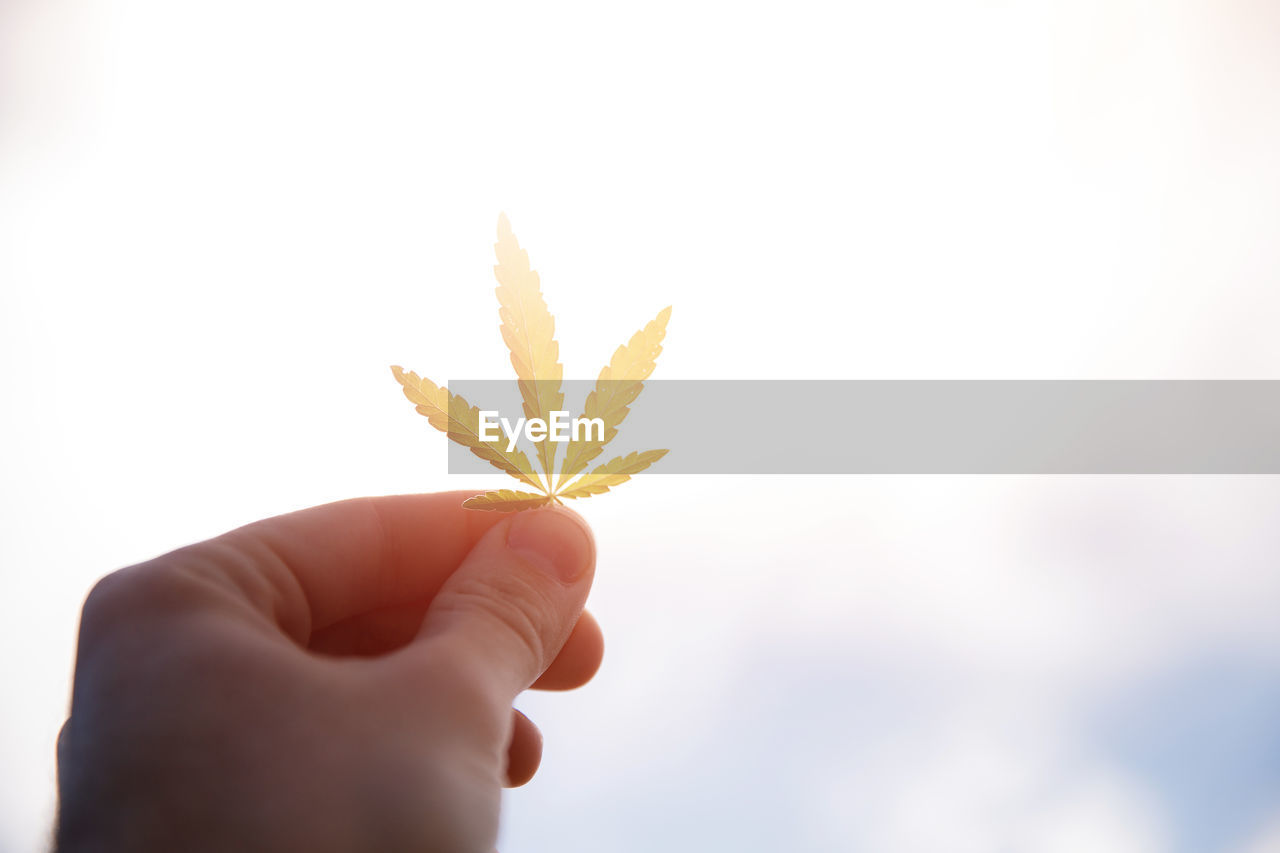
(452, 414)
(617, 387)
(506, 500)
(529, 331)
(612, 473)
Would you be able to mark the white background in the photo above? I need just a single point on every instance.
(221, 222)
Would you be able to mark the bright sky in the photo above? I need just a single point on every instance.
(220, 223)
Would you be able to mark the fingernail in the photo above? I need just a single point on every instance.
(552, 541)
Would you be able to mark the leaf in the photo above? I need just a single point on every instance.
(617, 387)
(506, 500)
(612, 473)
(529, 331)
(452, 414)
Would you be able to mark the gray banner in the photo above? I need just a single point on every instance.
(927, 426)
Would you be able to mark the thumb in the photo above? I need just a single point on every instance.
(509, 607)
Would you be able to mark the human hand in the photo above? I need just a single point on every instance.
(336, 679)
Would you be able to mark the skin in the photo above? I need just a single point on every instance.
(336, 679)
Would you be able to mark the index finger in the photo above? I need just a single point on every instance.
(339, 560)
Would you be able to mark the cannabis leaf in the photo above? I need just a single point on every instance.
(529, 332)
(617, 387)
(612, 473)
(506, 500)
(452, 414)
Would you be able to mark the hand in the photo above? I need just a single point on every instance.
(337, 679)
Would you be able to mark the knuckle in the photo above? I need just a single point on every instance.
(131, 596)
(512, 606)
(113, 597)
(116, 608)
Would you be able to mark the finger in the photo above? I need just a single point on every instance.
(524, 753)
(506, 611)
(579, 660)
(383, 631)
(314, 568)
